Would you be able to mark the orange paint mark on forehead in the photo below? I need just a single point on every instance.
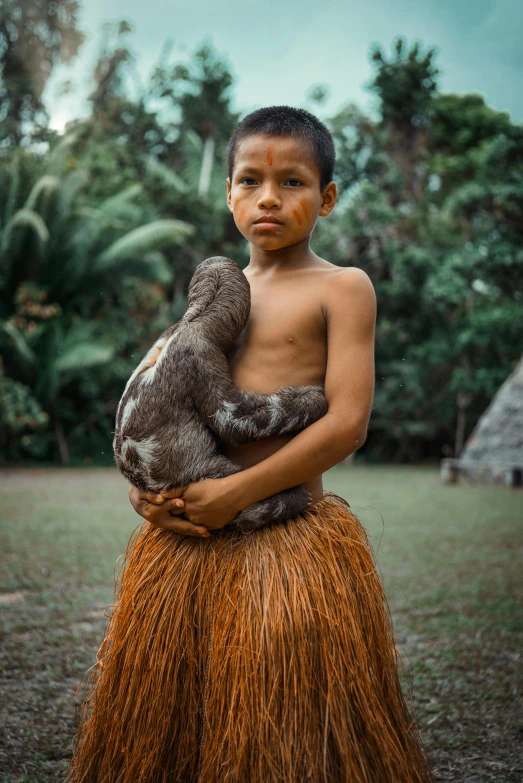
(303, 205)
(297, 216)
(269, 154)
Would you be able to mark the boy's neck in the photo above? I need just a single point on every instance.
(297, 256)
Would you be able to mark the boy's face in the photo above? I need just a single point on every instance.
(277, 177)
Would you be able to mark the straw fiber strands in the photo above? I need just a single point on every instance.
(259, 658)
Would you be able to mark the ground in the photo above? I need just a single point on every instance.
(450, 557)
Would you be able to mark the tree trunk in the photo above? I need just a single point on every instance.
(464, 400)
(460, 432)
(63, 447)
(206, 168)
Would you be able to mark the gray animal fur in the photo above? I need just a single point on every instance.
(173, 414)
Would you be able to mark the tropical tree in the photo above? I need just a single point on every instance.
(430, 207)
(61, 268)
(35, 36)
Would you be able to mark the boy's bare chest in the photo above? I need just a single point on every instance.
(284, 342)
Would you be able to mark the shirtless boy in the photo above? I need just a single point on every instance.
(267, 657)
(311, 322)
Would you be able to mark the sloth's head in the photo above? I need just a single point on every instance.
(219, 299)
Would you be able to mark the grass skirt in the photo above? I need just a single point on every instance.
(260, 658)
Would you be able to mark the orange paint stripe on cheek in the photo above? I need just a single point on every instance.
(297, 216)
(303, 205)
(241, 213)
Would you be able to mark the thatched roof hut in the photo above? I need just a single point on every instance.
(494, 452)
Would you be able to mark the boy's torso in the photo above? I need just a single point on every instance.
(283, 344)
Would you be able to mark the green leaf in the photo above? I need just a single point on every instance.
(19, 340)
(158, 267)
(14, 187)
(43, 190)
(82, 356)
(24, 218)
(194, 139)
(115, 204)
(170, 178)
(136, 243)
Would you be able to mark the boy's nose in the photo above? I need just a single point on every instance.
(269, 200)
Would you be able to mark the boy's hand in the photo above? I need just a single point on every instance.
(212, 502)
(161, 510)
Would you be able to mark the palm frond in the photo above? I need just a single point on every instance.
(23, 349)
(195, 141)
(41, 193)
(14, 187)
(13, 233)
(157, 267)
(69, 189)
(170, 178)
(83, 356)
(152, 236)
(113, 206)
(56, 159)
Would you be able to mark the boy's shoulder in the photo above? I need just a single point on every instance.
(348, 299)
(346, 280)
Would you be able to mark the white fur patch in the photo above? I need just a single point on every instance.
(280, 508)
(162, 343)
(275, 408)
(129, 408)
(146, 450)
(148, 375)
(225, 414)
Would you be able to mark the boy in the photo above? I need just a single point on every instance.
(303, 310)
(289, 671)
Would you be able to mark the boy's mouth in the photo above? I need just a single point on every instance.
(266, 219)
(268, 222)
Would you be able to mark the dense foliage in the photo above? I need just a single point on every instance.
(101, 227)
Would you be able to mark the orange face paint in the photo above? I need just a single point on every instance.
(303, 205)
(269, 154)
(241, 214)
(297, 216)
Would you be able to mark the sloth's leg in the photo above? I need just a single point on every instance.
(276, 508)
(240, 416)
(255, 416)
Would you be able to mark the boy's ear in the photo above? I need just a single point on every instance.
(328, 199)
(229, 201)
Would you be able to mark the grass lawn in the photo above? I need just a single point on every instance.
(450, 557)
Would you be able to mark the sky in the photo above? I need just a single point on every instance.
(278, 50)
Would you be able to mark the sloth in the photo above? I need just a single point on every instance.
(180, 404)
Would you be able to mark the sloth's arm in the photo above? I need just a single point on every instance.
(239, 416)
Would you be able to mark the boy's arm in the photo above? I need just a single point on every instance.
(349, 389)
(239, 416)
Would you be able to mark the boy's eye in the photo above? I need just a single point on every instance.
(247, 180)
(295, 181)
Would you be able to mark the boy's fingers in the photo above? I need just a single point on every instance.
(186, 528)
(152, 497)
(137, 495)
(176, 505)
(156, 498)
(176, 492)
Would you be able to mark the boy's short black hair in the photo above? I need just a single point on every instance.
(287, 121)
